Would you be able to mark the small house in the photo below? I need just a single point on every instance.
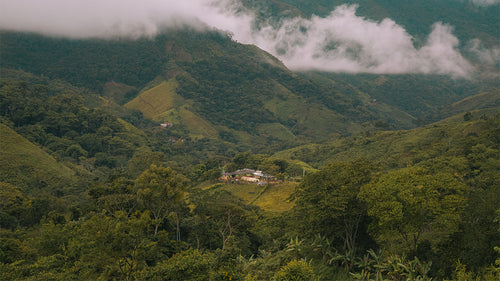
(247, 175)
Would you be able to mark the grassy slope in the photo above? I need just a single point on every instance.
(275, 198)
(275, 130)
(399, 147)
(370, 108)
(269, 198)
(157, 100)
(24, 164)
(197, 126)
(489, 99)
(162, 103)
(314, 120)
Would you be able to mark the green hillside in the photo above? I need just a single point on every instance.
(275, 130)
(156, 101)
(26, 165)
(401, 148)
(162, 104)
(196, 126)
(119, 93)
(489, 99)
(269, 198)
(235, 88)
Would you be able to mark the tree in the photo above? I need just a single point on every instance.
(107, 248)
(161, 190)
(295, 271)
(327, 201)
(142, 160)
(191, 265)
(409, 206)
(222, 214)
(12, 205)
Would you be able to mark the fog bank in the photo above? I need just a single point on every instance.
(339, 42)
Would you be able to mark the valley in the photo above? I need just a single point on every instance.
(191, 154)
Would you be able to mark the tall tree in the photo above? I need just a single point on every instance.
(327, 201)
(161, 190)
(409, 206)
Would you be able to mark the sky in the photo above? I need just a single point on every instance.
(339, 42)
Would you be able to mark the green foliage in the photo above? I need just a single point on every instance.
(88, 63)
(379, 267)
(160, 190)
(192, 265)
(326, 201)
(445, 146)
(461, 274)
(54, 115)
(143, 159)
(12, 205)
(27, 165)
(223, 220)
(295, 271)
(410, 205)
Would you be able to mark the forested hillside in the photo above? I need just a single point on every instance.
(187, 155)
(88, 183)
(121, 214)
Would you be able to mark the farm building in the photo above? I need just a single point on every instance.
(247, 175)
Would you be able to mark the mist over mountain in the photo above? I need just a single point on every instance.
(207, 48)
(485, 3)
(338, 41)
(249, 140)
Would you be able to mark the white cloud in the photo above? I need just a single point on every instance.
(344, 42)
(341, 42)
(108, 18)
(485, 3)
(486, 56)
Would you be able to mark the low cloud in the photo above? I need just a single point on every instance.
(344, 42)
(339, 42)
(484, 55)
(485, 3)
(112, 18)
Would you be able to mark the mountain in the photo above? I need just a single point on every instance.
(209, 86)
(470, 20)
(485, 100)
(27, 165)
(435, 144)
(205, 82)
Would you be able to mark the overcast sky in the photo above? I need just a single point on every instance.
(340, 42)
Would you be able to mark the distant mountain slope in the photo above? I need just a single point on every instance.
(444, 142)
(24, 164)
(156, 101)
(88, 63)
(489, 99)
(226, 83)
(213, 87)
(420, 96)
(470, 21)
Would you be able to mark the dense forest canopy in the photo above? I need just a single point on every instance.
(416, 196)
